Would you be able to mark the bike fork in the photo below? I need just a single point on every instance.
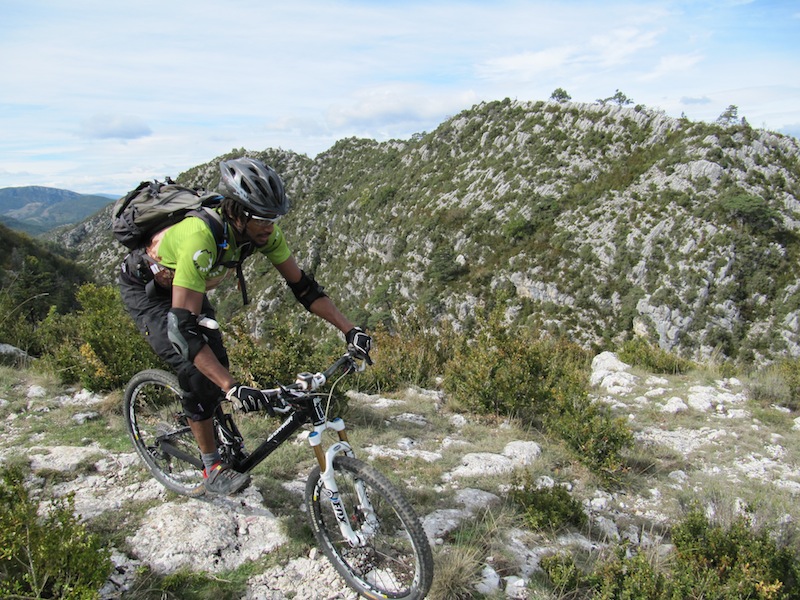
(325, 460)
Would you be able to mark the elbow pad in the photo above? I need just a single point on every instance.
(307, 290)
(184, 333)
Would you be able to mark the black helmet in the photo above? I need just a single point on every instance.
(253, 184)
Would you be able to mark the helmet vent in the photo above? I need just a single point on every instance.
(261, 188)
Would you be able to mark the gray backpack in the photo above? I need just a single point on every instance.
(154, 206)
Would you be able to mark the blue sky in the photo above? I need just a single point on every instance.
(96, 96)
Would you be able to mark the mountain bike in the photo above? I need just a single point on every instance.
(362, 522)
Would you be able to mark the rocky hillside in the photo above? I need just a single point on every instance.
(596, 221)
(700, 441)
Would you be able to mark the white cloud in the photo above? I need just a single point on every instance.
(397, 104)
(98, 93)
(620, 46)
(671, 64)
(124, 127)
(688, 100)
(525, 66)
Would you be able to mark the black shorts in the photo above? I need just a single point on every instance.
(149, 312)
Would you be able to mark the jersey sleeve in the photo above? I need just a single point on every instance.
(276, 249)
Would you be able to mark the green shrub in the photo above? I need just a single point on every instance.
(595, 436)
(277, 356)
(543, 382)
(627, 576)
(34, 279)
(515, 373)
(14, 330)
(413, 352)
(777, 384)
(709, 562)
(733, 562)
(641, 353)
(99, 345)
(767, 386)
(546, 507)
(46, 557)
(562, 572)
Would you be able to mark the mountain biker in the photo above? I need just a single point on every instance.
(164, 285)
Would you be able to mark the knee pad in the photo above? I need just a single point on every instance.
(184, 333)
(200, 395)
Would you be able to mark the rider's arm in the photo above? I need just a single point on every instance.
(205, 360)
(323, 306)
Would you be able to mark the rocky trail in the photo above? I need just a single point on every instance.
(709, 442)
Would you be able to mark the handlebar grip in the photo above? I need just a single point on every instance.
(272, 394)
(347, 359)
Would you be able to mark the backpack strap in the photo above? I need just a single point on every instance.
(219, 228)
(247, 250)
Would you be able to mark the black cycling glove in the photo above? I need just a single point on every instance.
(248, 399)
(359, 343)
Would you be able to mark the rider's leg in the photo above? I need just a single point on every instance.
(149, 312)
(204, 435)
(200, 395)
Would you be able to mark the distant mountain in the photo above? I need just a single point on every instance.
(36, 210)
(596, 222)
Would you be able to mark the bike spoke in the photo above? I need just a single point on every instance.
(155, 420)
(393, 557)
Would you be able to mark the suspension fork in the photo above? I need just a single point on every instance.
(325, 460)
(343, 446)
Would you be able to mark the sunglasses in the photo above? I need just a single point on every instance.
(271, 219)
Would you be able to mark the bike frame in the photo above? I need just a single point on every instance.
(307, 409)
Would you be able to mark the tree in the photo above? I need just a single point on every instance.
(751, 211)
(560, 95)
(618, 97)
(729, 116)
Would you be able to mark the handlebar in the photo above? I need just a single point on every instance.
(310, 382)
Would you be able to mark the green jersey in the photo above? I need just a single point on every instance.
(187, 252)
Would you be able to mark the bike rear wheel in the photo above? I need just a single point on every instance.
(394, 559)
(160, 431)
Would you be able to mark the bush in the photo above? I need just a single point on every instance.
(14, 330)
(777, 384)
(546, 507)
(48, 557)
(99, 345)
(515, 373)
(628, 575)
(731, 563)
(641, 353)
(624, 575)
(709, 562)
(414, 352)
(277, 356)
(595, 436)
(543, 382)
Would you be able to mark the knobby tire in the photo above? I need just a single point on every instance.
(396, 561)
(152, 410)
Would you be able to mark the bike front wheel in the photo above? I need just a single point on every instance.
(392, 558)
(160, 431)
